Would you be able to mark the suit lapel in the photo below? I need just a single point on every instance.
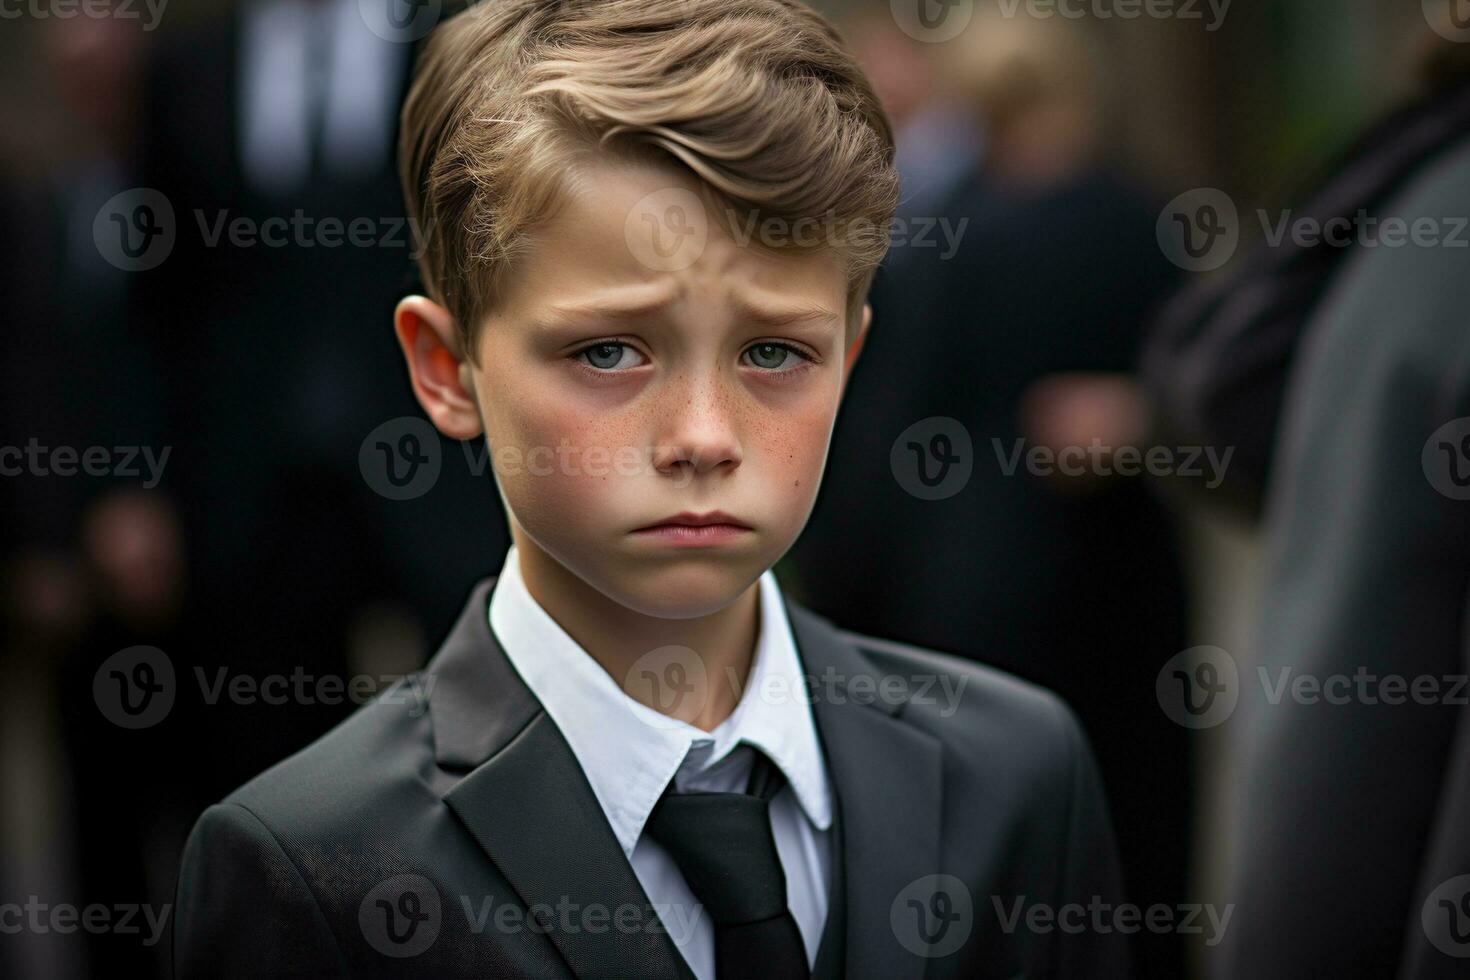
(528, 804)
(887, 778)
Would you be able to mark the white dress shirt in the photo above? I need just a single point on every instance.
(630, 753)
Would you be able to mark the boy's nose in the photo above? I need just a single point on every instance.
(699, 435)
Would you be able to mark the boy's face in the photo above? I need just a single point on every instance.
(625, 380)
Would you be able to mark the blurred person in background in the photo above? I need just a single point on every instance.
(940, 141)
(1342, 372)
(88, 809)
(283, 114)
(1026, 334)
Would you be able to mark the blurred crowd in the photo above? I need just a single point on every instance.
(188, 443)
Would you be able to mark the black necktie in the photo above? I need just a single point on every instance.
(724, 846)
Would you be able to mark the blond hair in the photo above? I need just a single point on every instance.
(758, 98)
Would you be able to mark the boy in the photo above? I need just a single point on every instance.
(648, 231)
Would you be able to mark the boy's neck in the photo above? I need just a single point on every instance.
(616, 636)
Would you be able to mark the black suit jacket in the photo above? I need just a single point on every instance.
(454, 794)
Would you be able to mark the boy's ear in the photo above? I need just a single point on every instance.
(436, 366)
(856, 347)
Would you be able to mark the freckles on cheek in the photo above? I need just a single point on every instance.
(794, 440)
(574, 461)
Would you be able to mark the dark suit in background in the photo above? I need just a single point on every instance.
(282, 361)
(1351, 815)
(1080, 592)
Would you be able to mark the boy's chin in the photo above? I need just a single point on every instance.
(682, 592)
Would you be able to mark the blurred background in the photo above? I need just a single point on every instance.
(195, 422)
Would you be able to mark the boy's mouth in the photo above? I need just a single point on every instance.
(687, 527)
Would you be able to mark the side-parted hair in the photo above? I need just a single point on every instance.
(759, 98)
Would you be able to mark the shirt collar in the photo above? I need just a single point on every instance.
(630, 752)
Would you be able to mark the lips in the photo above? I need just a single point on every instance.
(688, 527)
(714, 518)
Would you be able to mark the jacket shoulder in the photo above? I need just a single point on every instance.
(992, 724)
(374, 758)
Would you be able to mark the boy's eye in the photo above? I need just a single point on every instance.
(611, 356)
(774, 357)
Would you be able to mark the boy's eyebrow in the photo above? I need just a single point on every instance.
(784, 316)
(631, 305)
(614, 304)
